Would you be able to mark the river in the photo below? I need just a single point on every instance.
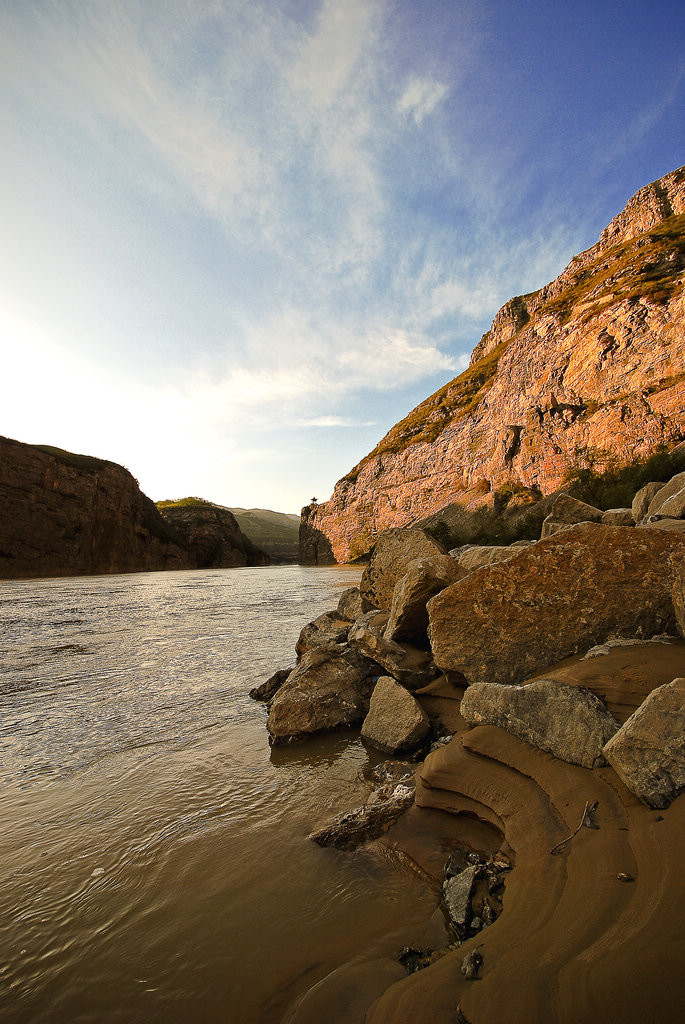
(154, 851)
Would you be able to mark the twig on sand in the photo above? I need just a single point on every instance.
(585, 820)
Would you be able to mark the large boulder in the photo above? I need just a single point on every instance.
(642, 500)
(648, 751)
(393, 552)
(662, 500)
(409, 665)
(424, 578)
(559, 597)
(396, 722)
(569, 722)
(328, 628)
(566, 511)
(330, 688)
(679, 598)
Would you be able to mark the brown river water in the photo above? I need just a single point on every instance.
(154, 860)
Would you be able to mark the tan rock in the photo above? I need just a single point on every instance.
(396, 722)
(330, 688)
(567, 721)
(642, 500)
(618, 517)
(665, 525)
(424, 578)
(478, 555)
(393, 552)
(556, 598)
(350, 605)
(674, 507)
(670, 490)
(648, 751)
(566, 511)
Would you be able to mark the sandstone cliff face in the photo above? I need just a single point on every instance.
(213, 537)
(64, 514)
(592, 366)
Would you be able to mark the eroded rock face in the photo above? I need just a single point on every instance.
(648, 752)
(556, 598)
(330, 688)
(394, 550)
(396, 722)
(423, 579)
(567, 721)
(66, 515)
(594, 361)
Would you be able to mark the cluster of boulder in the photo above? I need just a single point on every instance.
(491, 620)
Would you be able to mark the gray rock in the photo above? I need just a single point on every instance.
(566, 511)
(618, 517)
(424, 578)
(370, 622)
(670, 490)
(471, 964)
(396, 722)
(352, 828)
(674, 507)
(642, 500)
(456, 892)
(330, 687)
(648, 751)
(676, 526)
(393, 552)
(567, 721)
(408, 665)
(328, 628)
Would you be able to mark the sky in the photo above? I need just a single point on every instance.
(243, 238)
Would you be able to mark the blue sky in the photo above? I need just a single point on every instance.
(242, 239)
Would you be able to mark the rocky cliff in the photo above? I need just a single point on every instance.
(63, 514)
(212, 536)
(589, 369)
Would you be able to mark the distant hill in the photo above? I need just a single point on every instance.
(211, 534)
(277, 533)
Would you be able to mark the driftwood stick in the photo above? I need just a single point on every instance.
(585, 820)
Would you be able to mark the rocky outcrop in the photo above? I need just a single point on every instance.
(63, 514)
(648, 751)
(212, 536)
(396, 722)
(556, 598)
(569, 722)
(592, 363)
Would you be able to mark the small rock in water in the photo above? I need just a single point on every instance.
(471, 964)
(96, 872)
(623, 876)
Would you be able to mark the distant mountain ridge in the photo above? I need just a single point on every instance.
(589, 370)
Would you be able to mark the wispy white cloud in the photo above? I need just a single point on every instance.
(420, 98)
(333, 421)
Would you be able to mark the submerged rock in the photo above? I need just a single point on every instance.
(352, 828)
(648, 751)
(567, 721)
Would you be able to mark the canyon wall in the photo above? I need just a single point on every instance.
(589, 370)
(66, 515)
(212, 536)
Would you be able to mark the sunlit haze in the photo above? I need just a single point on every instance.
(241, 239)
